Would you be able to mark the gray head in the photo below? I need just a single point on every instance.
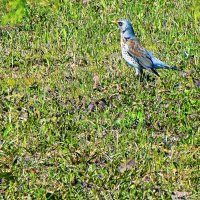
(126, 28)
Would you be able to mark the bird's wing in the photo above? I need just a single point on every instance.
(140, 54)
(156, 62)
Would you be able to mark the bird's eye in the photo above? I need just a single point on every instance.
(120, 23)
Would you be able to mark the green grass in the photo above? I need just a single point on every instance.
(56, 144)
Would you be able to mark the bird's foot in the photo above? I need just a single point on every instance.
(140, 77)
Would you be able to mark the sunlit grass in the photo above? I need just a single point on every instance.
(64, 136)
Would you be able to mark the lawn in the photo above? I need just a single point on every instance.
(76, 123)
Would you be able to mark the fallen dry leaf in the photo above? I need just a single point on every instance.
(127, 166)
(91, 107)
(102, 104)
(86, 2)
(146, 178)
(96, 82)
(196, 82)
(24, 115)
(180, 195)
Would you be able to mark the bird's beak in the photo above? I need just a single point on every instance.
(115, 22)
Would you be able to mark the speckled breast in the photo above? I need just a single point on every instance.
(129, 59)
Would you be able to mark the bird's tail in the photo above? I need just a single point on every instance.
(158, 64)
(170, 67)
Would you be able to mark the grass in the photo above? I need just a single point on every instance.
(75, 123)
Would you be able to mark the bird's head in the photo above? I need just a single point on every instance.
(125, 27)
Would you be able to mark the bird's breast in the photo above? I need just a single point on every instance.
(129, 59)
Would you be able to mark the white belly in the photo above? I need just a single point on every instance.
(130, 60)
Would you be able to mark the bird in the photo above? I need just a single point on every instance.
(135, 54)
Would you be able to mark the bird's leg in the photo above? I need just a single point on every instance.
(138, 72)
